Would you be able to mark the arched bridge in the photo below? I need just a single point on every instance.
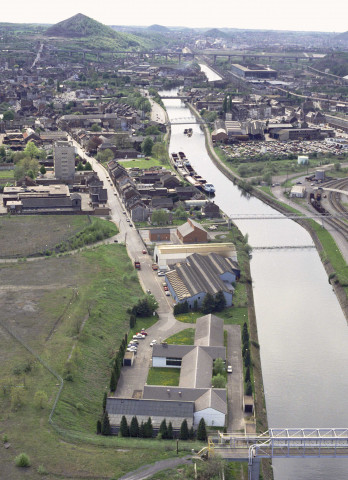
(279, 443)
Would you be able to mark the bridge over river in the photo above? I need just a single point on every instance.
(278, 443)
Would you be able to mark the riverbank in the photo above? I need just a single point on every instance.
(280, 207)
(259, 395)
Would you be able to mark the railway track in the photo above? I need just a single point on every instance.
(334, 199)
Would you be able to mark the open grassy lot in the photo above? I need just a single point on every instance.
(185, 337)
(142, 163)
(68, 307)
(6, 174)
(24, 236)
(163, 376)
(210, 469)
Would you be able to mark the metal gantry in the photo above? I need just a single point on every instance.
(280, 443)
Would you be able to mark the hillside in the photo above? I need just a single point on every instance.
(158, 29)
(80, 26)
(336, 64)
(215, 33)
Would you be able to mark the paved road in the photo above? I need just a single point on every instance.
(150, 470)
(235, 379)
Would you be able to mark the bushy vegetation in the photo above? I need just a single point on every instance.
(97, 231)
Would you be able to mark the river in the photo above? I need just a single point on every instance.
(302, 331)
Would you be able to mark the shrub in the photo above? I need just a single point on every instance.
(42, 470)
(105, 427)
(248, 388)
(218, 381)
(124, 430)
(40, 399)
(163, 430)
(22, 460)
(99, 427)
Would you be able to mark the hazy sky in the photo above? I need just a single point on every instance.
(329, 16)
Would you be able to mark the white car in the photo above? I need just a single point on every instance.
(161, 274)
(229, 369)
(153, 343)
(139, 336)
(167, 292)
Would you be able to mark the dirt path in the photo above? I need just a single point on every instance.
(149, 470)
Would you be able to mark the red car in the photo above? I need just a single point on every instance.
(165, 289)
(144, 252)
(143, 332)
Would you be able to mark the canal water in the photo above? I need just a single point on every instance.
(302, 331)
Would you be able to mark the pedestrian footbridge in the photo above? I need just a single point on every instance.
(278, 443)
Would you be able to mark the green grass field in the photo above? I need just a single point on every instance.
(46, 303)
(26, 235)
(163, 376)
(185, 337)
(142, 163)
(7, 174)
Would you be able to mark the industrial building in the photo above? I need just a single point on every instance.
(190, 281)
(253, 71)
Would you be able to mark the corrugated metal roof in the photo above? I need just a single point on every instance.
(163, 408)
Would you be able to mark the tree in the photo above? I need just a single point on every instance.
(99, 427)
(337, 166)
(202, 431)
(159, 151)
(248, 388)
(40, 399)
(142, 430)
(163, 430)
(26, 166)
(247, 374)
(42, 170)
(160, 217)
(191, 433)
(145, 307)
(105, 424)
(113, 381)
(2, 151)
(124, 430)
(105, 155)
(80, 167)
(247, 359)
(218, 381)
(8, 115)
(170, 434)
(245, 333)
(184, 433)
(31, 150)
(220, 301)
(88, 166)
(219, 366)
(148, 428)
(105, 397)
(208, 303)
(95, 128)
(134, 428)
(146, 146)
(132, 321)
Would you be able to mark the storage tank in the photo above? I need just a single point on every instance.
(320, 175)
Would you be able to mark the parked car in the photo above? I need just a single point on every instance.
(165, 288)
(161, 274)
(167, 293)
(153, 343)
(148, 291)
(143, 332)
(128, 220)
(139, 335)
(144, 251)
(229, 369)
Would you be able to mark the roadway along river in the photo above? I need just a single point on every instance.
(302, 330)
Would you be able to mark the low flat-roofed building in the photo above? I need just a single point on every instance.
(253, 71)
(165, 255)
(298, 191)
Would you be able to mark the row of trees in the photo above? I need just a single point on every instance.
(117, 364)
(210, 304)
(246, 360)
(165, 432)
